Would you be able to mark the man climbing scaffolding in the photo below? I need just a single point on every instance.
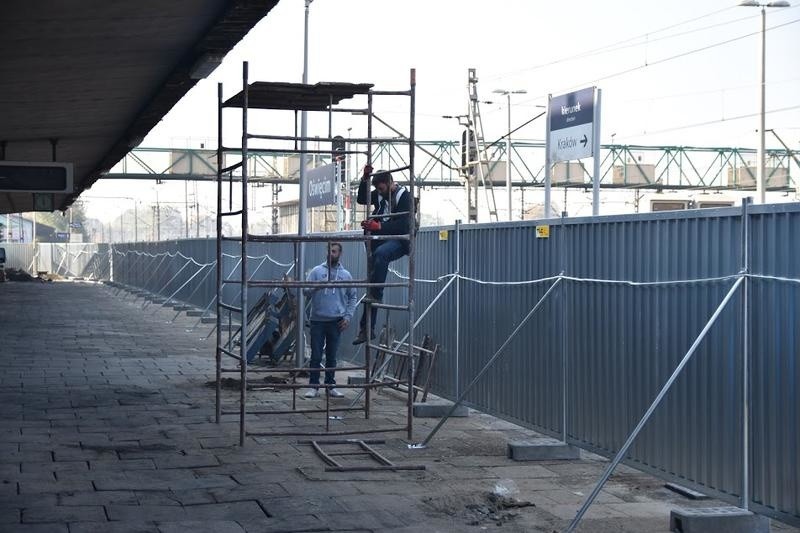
(387, 199)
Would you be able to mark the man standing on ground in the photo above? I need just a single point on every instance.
(332, 309)
(387, 198)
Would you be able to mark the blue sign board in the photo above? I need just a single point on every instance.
(571, 118)
(572, 109)
(321, 186)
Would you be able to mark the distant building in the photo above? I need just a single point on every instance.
(19, 228)
(320, 219)
(16, 228)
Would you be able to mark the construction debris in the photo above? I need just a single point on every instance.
(375, 462)
(16, 274)
(478, 510)
(233, 383)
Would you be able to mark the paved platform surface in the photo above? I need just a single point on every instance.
(106, 425)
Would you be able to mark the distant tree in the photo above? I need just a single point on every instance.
(59, 220)
(55, 220)
(172, 223)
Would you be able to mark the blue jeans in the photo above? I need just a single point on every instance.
(324, 334)
(383, 253)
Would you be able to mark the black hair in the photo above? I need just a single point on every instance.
(382, 177)
(337, 244)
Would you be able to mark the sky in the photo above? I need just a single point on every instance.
(674, 73)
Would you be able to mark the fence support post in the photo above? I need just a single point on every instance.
(564, 322)
(458, 305)
(746, 355)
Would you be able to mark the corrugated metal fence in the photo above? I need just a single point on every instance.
(596, 354)
(19, 255)
(75, 260)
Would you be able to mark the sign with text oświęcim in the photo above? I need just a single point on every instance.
(321, 186)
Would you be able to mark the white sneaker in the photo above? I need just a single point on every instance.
(311, 393)
(336, 393)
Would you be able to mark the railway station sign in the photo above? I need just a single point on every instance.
(571, 124)
(321, 186)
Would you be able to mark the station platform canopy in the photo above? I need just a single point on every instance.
(84, 82)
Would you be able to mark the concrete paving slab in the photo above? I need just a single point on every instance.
(541, 450)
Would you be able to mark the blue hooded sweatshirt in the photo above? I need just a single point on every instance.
(331, 303)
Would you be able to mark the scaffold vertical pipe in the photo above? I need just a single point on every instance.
(411, 251)
(367, 350)
(368, 325)
(244, 282)
(330, 123)
(218, 353)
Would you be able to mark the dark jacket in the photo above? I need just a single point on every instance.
(400, 203)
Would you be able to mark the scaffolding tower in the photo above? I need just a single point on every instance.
(320, 97)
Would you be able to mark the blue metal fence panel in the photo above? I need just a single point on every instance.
(628, 339)
(524, 384)
(775, 362)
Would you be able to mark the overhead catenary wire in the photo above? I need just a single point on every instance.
(688, 32)
(706, 91)
(516, 129)
(398, 132)
(612, 46)
(709, 122)
(666, 59)
(660, 61)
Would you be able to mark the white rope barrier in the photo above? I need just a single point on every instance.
(193, 260)
(654, 283)
(445, 277)
(591, 280)
(162, 254)
(773, 278)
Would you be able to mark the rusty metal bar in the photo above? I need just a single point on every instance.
(287, 370)
(324, 433)
(293, 411)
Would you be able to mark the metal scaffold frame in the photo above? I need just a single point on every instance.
(321, 97)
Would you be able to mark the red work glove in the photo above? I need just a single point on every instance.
(371, 225)
(367, 172)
